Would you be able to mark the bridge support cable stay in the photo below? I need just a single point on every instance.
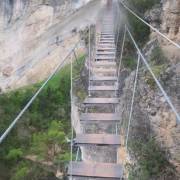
(167, 98)
(153, 28)
(21, 113)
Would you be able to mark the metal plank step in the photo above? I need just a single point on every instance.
(95, 170)
(98, 65)
(104, 63)
(102, 88)
(97, 139)
(105, 53)
(105, 57)
(103, 70)
(107, 34)
(106, 49)
(107, 40)
(101, 101)
(103, 78)
(106, 45)
(114, 117)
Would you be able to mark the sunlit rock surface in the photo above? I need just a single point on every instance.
(36, 35)
(165, 17)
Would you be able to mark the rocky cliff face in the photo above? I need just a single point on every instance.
(13, 10)
(171, 19)
(165, 17)
(36, 35)
(152, 116)
(26, 39)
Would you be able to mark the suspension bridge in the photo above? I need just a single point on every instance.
(101, 105)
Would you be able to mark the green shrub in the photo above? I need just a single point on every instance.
(157, 56)
(41, 132)
(142, 6)
(151, 160)
(21, 171)
(157, 70)
(14, 154)
(129, 62)
(139, 30)
(158, 65)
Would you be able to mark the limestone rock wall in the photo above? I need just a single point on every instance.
(171, 19)
(152, 116)
(166, 18)
(13, 10)
(36, 34)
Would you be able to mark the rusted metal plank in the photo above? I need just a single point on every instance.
(101, 101)
(97, 139)
(95, 170)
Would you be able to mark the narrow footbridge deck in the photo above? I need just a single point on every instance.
(103, 79)
(100, 117)
(92, 101)
(97, 139)
(102, 88)
(95, 170)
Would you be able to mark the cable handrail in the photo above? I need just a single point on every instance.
(154, 77)
(122, 50)
(11, 126)
(132, 101)
(72, 130)
(153, 28)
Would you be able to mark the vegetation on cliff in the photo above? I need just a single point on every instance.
(148, 159)
(37, 146)
(152, 161)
